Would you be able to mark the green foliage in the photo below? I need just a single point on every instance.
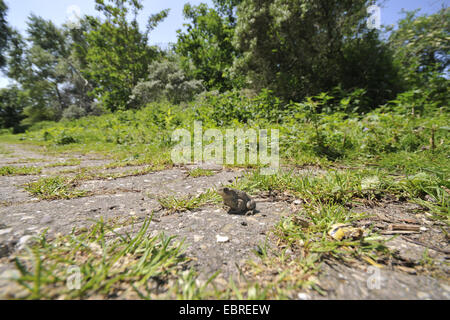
(13, 101)
(18, 171)
(4, 32)
(54, 188)
(48, 70)
(180, 204)
(166, 81)
(368, 64)
(302, 48)
(422, 46)
(205, 47)
(129, 262)
(74, 112)
(118, 53)
(235, 107)
(195, 173)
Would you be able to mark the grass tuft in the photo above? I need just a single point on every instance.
(19, 171)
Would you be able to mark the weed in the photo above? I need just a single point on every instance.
(173, 204)
(19, 171)
(195, 173)
(107, 266)
(54, 188)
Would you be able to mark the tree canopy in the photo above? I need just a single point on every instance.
(291, 49)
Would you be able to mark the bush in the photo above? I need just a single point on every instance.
(166, 82)
(74, 112)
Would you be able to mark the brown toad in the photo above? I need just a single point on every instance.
(238, 201)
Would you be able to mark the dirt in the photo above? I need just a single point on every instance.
(22, 216)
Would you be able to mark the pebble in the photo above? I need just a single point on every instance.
(198, 238)
(303, 296)
(10, 274)
(445, 287)
(222, 239)
(5, 231)
(23, 241)
(423, 295)
(46, 220)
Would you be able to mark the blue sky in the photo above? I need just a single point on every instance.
(57, 11)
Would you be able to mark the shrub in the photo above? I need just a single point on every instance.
(74, 112)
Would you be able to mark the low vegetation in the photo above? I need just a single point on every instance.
(54, 188)
(174, 204)
(19, 171)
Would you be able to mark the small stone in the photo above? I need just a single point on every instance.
(10, 274)
(244, 223)
(303, 296)
(445, 287)
(5, 231)
(132, 213)
(198, 238)
(23, 241)
(46, 220)
(222, 239)
(423, 295)
(297, 202)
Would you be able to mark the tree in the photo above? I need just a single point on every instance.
(12, 103)
(37, 70)
(227, 8)
(206, 47)
(118, 53)
(4, 32)
(296, 47)
(367, 63)
(46, 64)
(422, 46)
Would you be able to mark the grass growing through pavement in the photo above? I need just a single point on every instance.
(180, 204)
(60, 187)
(54, 188)
(302, 244)
(138, 265)
(66, 163)
(113, 265)
(195, 173)
(345, 186)
(19, 171)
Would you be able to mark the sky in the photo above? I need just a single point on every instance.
(60, 11)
